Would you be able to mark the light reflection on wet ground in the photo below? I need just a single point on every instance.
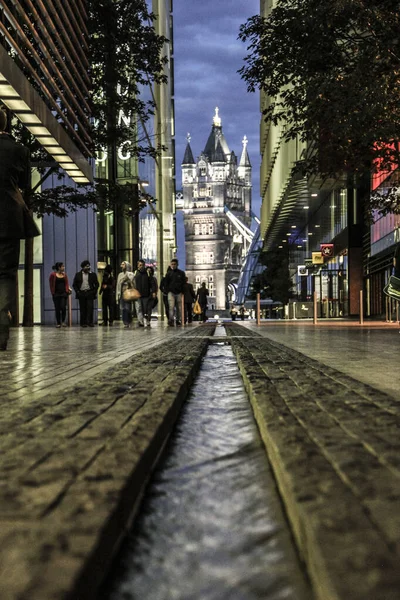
(211, 526)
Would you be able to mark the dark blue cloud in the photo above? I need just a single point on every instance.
(207, 57)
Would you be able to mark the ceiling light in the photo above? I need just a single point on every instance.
(38, 130)
(28, 118)
(318, 226)
(314, 195)
(293, 226)
(310, 234)
(305, 207)
(15, 104)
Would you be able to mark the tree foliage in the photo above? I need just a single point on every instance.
(275, 282)
(332, 71)
(126, 59)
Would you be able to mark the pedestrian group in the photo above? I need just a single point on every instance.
(135, 292)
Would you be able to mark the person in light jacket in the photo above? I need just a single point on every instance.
(124, 281)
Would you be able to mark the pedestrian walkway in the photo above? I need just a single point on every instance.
(86, 413)
(333, 443)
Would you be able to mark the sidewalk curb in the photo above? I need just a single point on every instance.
(344, 554)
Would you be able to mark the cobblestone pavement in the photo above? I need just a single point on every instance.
(75, 458)
(333, 442)
(85, 414)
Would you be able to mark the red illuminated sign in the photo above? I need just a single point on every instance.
(327, 250)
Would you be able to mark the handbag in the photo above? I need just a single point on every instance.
(197, 308)
(392, 289)
(130, 294)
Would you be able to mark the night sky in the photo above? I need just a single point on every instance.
(207, 56)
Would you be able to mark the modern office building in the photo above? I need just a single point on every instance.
(44, 83)
(217, 215)
(310, 216)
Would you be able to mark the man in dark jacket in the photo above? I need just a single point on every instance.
(86, 285)
(16, 222)
(146, 286)
(174, 282)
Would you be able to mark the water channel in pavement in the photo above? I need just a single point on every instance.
(211, 525)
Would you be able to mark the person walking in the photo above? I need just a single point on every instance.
(86, 285)
(153, 300)
(107, 293)
(174, 282)
(201, 296)
(189, 296)
(141, 282)
(16, 222)
(125, 281)
(60, 290)
(164, 292)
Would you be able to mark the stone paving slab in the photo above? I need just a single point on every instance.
(74, 463)
(333, 443)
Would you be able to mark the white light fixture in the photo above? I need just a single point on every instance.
(293, 226)
(17, 94)
(314, 195)
(305, 207)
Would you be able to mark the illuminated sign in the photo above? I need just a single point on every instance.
(317, 258)
(327, 250)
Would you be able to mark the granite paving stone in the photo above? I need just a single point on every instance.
(326, 438)
(75, 460)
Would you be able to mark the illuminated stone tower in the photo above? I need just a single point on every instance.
(216, 199)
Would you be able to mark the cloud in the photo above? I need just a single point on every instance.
(207, 57)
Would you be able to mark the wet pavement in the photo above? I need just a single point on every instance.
(211, 525)
(86, 413)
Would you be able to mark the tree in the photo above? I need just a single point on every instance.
(275, 279)
(332, 71)
(126, 58)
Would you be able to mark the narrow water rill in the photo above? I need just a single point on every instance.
(211, 525)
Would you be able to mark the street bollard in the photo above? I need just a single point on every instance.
(258, 309)
(315, 320)
(397, 311)
(361, 308)
(386, 309)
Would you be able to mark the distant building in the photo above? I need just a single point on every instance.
(217, 215)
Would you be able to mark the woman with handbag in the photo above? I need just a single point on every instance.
(202, 297)
(124, 285)
(60, 290)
